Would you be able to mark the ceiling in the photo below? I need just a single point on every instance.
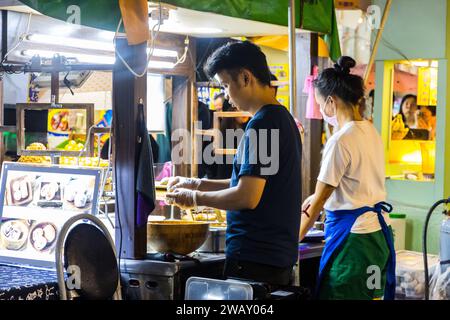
(181, 21)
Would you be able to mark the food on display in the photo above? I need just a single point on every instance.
(37, 146)
(13, 234)
(215, 217)
(43, 235)
(49, 190)
(410, 276)
(84, 161)
(77, 193)
(19, 191)
(50, 194)
(59, 121)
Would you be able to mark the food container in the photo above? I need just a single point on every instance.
(198, 288)
(43, 236)
(19, 191)
(50, 194)
(398, 225)
(215, 243)
(13, 234)
(410, 276)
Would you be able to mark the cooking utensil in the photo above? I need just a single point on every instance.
(176, 236)
(215, 242)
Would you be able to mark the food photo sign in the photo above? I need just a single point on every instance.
(35, 202)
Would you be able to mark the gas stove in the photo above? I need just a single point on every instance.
(164, 276)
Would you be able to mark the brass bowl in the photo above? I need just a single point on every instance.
(176, 236)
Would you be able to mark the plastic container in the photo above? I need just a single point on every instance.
(212, 289)
(398, 224)
(410, 274)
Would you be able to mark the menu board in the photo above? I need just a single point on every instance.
(35, 202)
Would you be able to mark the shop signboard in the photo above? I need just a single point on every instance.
(35, 202)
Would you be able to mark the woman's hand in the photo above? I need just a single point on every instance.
(306, 204)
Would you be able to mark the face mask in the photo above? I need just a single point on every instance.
(331, 120)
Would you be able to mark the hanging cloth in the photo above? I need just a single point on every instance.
(145, 182)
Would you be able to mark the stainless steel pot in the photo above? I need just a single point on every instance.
(215, 242)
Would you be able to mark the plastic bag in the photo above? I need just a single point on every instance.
(440, 283)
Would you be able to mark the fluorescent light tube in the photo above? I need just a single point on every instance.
(86, 58)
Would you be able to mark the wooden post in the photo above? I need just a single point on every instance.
(195, 137)
(387, 8)
(127, 92)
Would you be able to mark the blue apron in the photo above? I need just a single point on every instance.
(338, 225)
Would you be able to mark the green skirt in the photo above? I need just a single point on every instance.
(358, 270)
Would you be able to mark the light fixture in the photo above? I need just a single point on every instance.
(86, 58)
(161, 64)
(419, 63)
(71, 42)
(204, 30)
(434, 64)
(88, 44)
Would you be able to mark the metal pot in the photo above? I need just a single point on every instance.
(176, 236)
(215, 243)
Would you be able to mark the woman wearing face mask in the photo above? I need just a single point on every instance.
(358, 261)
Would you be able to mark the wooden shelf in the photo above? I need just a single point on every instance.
(209, 84)
(225, 151)
(231, 114)
(209, 132)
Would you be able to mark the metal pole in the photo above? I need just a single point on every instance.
(377, 40)
(292, 60)
(293, 91)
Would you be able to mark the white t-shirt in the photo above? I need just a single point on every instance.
(353, 162)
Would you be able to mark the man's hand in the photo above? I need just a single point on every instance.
(183, 198)
(181, 182)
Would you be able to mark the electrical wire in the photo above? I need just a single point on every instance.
(86, 145)
(152, 45)
(21, 38)
(106, 178)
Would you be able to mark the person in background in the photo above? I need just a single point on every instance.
(369, 105)
(408, 108)
(350, 187)
(426, 119)
(263, 201)
(219, 101)
(205, 119)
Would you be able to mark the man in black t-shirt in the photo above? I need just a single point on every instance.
(262, 198)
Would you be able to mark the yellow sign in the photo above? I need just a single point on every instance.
(427, 86)
(423, 86)
(433, 86)
(281, 71)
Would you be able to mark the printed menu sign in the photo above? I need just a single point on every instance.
(36, 201)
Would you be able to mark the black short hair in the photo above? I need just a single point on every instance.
(235, 56)
(340, 82)
(274, 78)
